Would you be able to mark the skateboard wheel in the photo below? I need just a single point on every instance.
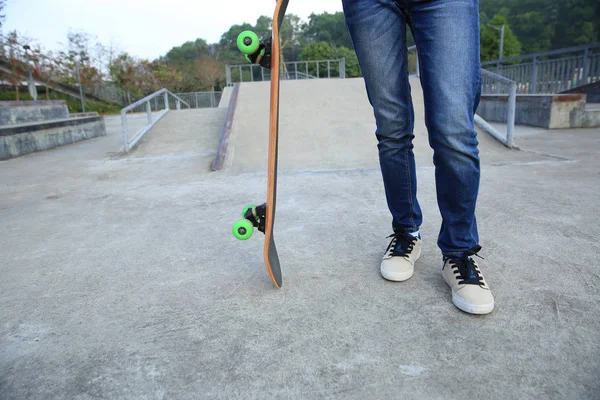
(246, 209)
(248, 42)
(243, 229)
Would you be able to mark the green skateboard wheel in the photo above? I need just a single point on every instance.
(248, 42)
(246, 209)
(243, 229)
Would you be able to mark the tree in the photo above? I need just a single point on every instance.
(44, 67)
(542, 25)
(208, 72)
(123, 73)
(490, 40)
(16, 63)
(188, 52)
(324, 51)
(167, 76)
(2, 16)
(291, 32)
(330, 28)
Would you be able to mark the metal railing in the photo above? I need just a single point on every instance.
(551, 72)
(144, 106)
(201, 99)
(409, 50)
(84, 114)
(313, 69)
(499, 85)
(193, 99)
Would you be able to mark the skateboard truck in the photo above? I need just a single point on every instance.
(255, 51)
(252, 217)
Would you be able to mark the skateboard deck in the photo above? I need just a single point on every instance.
(262, 217)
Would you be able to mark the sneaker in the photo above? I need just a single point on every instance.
(398, 263)
(470, 291)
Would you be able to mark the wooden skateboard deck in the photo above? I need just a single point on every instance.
(263, 217)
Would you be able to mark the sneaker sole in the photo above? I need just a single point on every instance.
(472, 308)
(400, 276)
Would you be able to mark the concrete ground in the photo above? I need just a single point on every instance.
(121, 279)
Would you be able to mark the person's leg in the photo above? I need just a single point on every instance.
(447, 37)
(378, 31)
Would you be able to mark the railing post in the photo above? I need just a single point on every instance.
(178, 104)
(417, 59)
(584, 78)
(510, 120)
(343, 67)
(228, 75)
(125, 132)
(166, 101)
(149, 112)
(196, 99)
(534, 76)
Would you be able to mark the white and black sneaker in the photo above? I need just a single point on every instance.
(470, 291)
(398, 263)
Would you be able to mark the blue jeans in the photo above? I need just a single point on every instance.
(446, 33)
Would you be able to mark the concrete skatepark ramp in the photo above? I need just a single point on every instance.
(325, 124)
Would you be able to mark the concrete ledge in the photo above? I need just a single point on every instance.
(23, 139)
(219, 161)
(20, 112)
(558, 111)
(225, 97)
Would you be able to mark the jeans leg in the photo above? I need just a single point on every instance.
(447, 37)
(378, 32)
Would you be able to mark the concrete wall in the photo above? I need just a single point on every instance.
(22, 112)
(23, 139)
(591, 118)
(545, 111)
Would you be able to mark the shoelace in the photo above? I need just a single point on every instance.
(466, 269)
(402, 244)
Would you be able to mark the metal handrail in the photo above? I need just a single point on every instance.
(290, 67)
(508, 141)
(512, 105)
(127, 145)
(553, 71)
(545, 53)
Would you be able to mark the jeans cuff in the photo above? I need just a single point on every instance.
(406, 230)
(455, 255)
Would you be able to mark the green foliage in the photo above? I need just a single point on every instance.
(330, 28)
(187, 52)
(548, 24)
(324, 51)
(352, 67)
(490, 40)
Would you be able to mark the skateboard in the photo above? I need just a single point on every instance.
(266, 54)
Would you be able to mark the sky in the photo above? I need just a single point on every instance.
(143, 28)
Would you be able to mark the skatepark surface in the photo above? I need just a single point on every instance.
(121, 278)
